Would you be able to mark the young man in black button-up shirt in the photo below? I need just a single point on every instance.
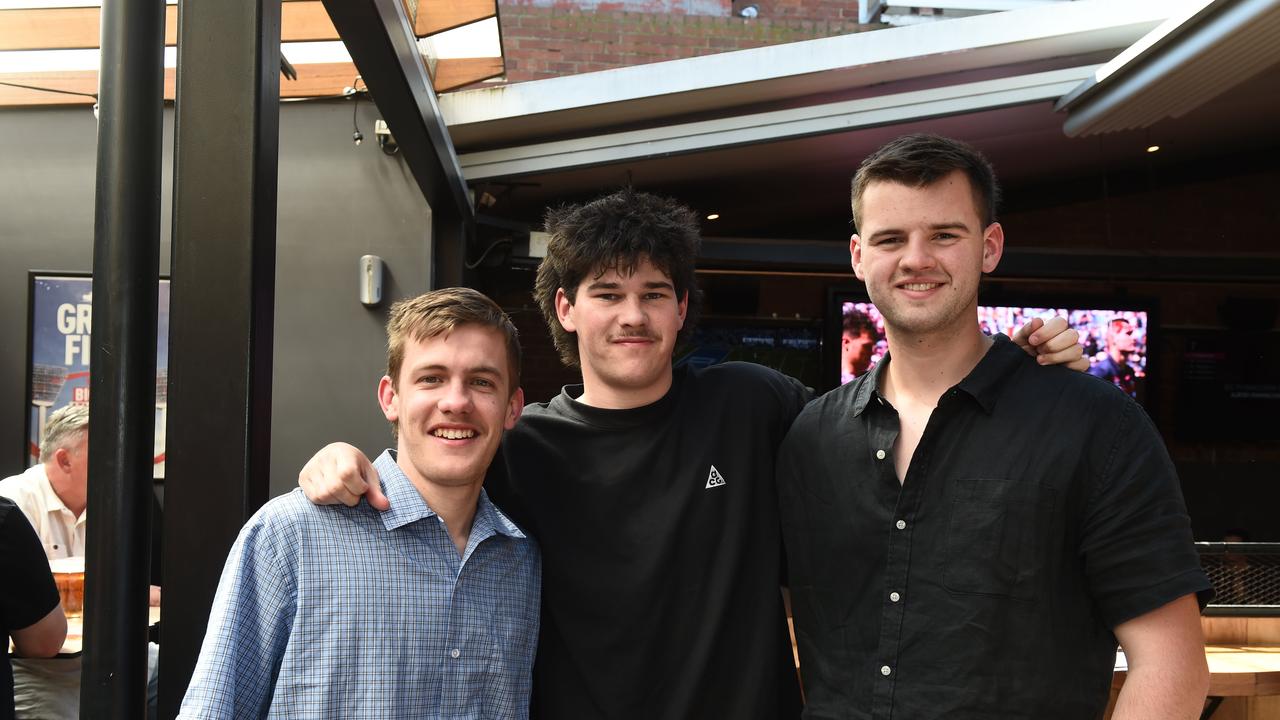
(968, 532)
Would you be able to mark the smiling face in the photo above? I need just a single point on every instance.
(626, 327)
(922, 252)
(451, 402)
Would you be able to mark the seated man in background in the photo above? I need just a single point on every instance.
(53, 495)
(29, 610)
(430, 609)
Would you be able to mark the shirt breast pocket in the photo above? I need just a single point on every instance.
(997, 537)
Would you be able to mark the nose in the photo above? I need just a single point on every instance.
(456, 398)
(918, 254)
(632, 313)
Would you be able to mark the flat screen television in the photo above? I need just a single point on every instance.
(1116, 335)
(792, 347)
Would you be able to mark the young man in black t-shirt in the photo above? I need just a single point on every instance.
(650, 490)
(30, 612)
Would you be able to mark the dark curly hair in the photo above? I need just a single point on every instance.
(616, 232)
(922, 159)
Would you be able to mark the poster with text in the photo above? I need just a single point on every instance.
(61, 314)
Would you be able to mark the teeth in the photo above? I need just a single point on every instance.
(453, 434)
(921, 286)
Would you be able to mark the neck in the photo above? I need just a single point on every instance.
(455, 504)
(75, 498)
(923, 367)
(599, 394)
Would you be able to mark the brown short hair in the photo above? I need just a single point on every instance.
(440, 311)
(616, 232)
(922, 159)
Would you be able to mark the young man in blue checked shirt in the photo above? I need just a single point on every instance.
(429, 610)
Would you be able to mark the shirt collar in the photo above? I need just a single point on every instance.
(408, 505)
(984, 383)
(51, 500)
(869, 386)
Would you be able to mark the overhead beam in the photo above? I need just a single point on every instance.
(76, 28)
(314, 80)
(770, 126)
(381, 41)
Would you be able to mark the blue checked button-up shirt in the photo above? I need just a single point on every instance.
(330, 611)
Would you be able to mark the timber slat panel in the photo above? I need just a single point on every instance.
(315, 79)
(76, 28)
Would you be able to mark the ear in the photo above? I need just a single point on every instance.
(564, 311)
(992, 247)
(855, 256)
(62, 457)
(515, 406)
(682, 308)
(388, 399)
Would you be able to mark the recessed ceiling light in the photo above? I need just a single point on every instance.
(713, 216)
(1152, 148)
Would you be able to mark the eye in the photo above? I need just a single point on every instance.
(429, 380)
(886, 240)
(482, 382)
(607, 297)
(656, 295)
(946, 237)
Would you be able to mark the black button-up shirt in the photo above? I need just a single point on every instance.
(1040, 511)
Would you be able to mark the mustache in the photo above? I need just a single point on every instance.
(635, 335)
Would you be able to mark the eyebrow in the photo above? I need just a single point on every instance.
(953, 225)
(473, 370)
(650, 285)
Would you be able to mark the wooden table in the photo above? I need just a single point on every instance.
(1234, 671)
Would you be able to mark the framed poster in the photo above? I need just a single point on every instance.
(60, 315)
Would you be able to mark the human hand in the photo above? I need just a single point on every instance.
(1052, 343)
(340, 473)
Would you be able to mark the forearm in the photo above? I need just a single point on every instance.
(1163, 693)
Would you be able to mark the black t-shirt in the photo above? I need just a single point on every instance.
(1040, 511)
(661, 549)
(28, 592)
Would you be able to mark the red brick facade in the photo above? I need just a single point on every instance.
(543, 39)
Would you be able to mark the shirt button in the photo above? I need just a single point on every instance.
(879, 454)
(895, 596)
(884, 670)
(455, 653)
(901, 524)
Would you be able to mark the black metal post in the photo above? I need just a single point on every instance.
(126, 266)
(449, 243)
(222, 308)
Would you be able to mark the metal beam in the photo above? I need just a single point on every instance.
(126, 267)
(1177, 67)
(771, 126)
(226, 136)
(380, 39)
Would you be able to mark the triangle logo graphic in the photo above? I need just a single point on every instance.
(714, 479)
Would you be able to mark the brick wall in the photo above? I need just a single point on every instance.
(543, 40)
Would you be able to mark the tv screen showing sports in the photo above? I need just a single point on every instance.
(1115, 340)
(793, 349)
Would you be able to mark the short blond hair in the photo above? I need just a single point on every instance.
(64, 429)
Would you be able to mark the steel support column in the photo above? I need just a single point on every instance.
(226, 134)
(126, 260)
